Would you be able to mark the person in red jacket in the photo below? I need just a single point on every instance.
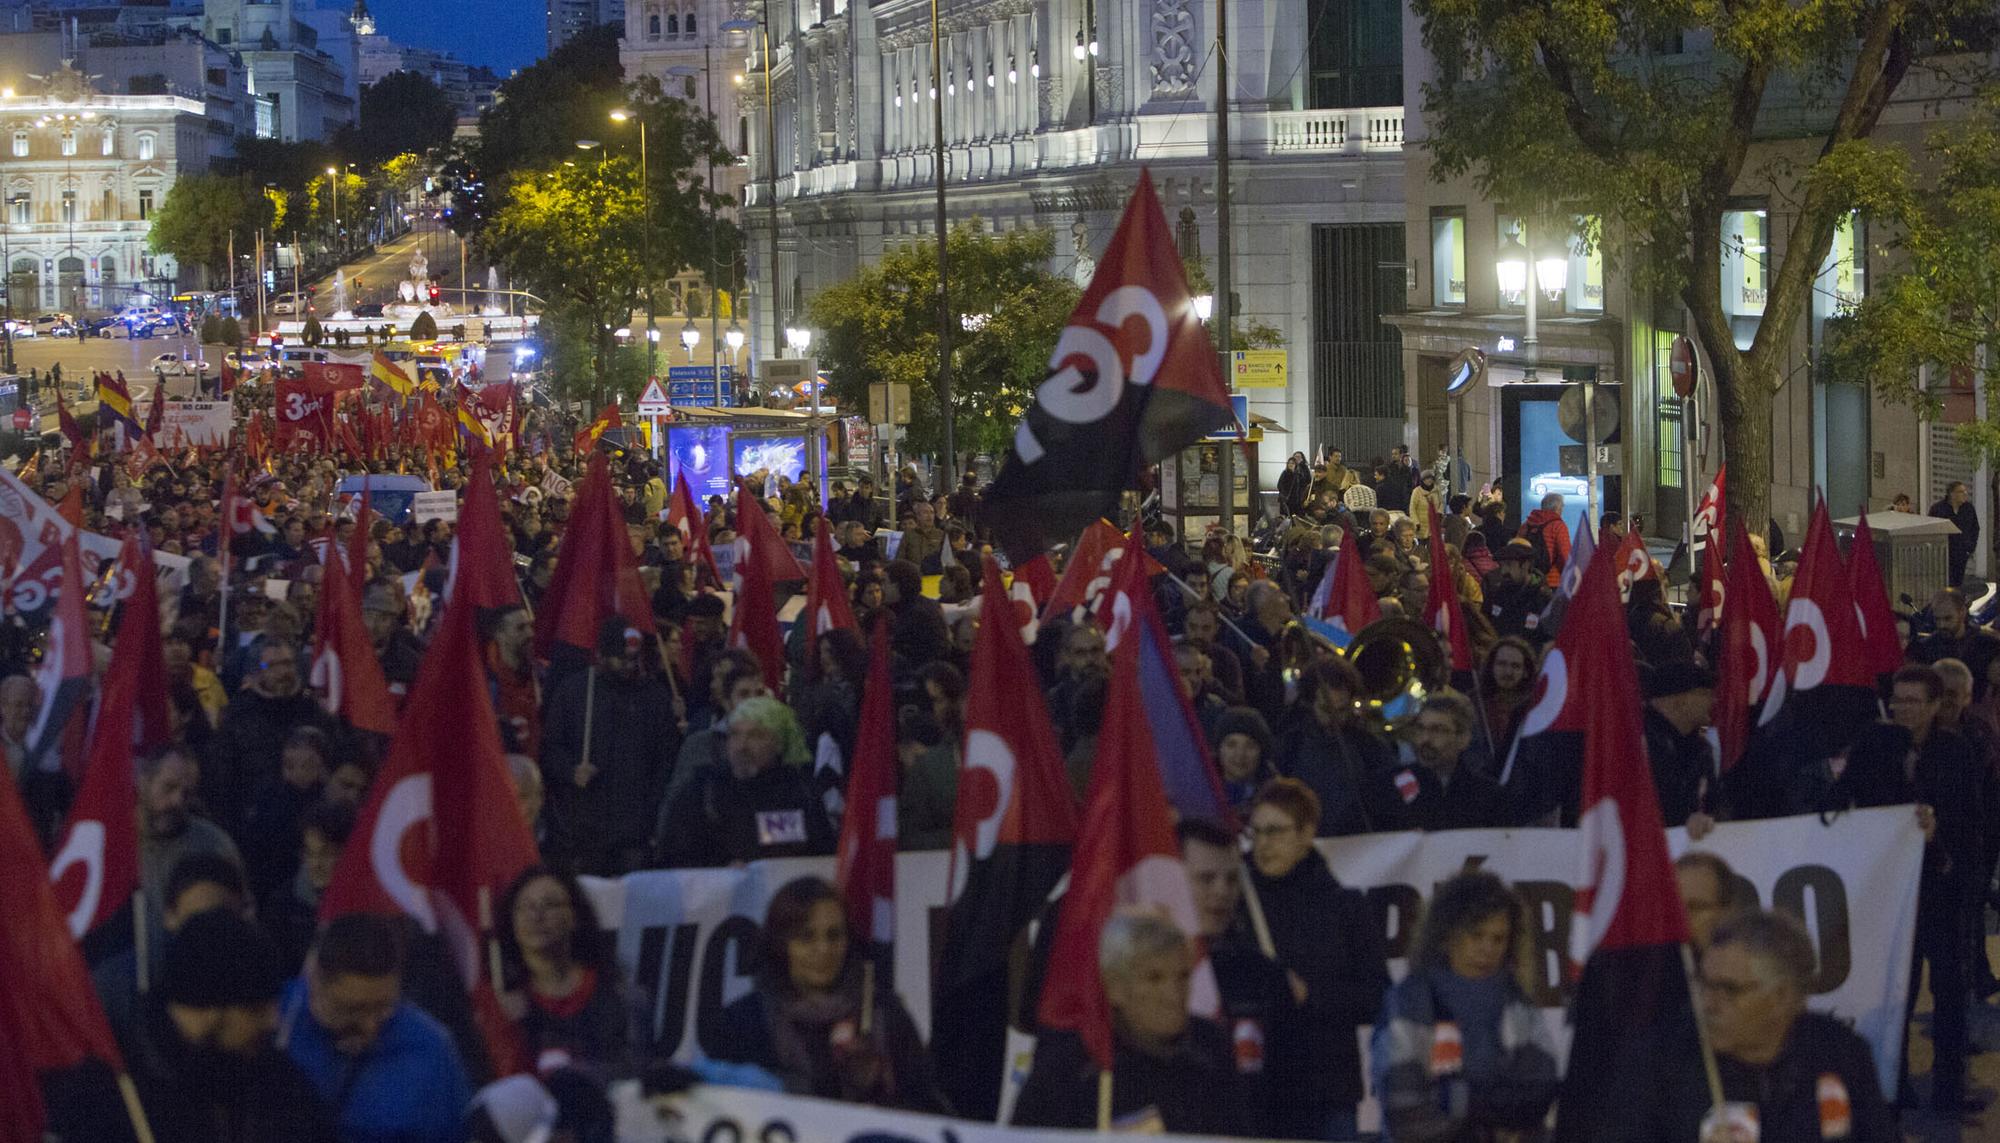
(1545, 529)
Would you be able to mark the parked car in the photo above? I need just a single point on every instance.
(99, 327)
(1573, 488)
(174, 365)
(56, 325)
(368, 310)
(20, 328)
(292, 304)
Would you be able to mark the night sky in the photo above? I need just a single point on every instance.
(502, 34)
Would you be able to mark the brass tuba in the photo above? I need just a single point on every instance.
(1400, 663)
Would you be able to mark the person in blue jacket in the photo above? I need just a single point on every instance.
(391, 1072)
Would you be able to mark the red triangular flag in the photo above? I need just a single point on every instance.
(1351, 604)
(1823, 645)
(1040, 578)
(482, 560)
(440, 837)
(1707, 554)
(101, 839)
(1087, 572)
(757, 539)
(1633, 561)
(686, 517)
(753, 622)
(1126, 854)
(1749, 640)
(345, 670)
(865, 862)
(827, 607)
(1629, 925)
(596, 574)
(49, 1016)
(1441, 610)
(1871, 599)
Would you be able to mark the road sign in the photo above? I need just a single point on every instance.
(1240, 406)
(889, 403)
(1571, 460)
(1681, 363)
(786, 372)
(653, 402)
(24, 419)
(1259, 369)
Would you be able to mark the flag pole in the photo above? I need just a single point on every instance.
(1701, 1029)
(867, 995)
(1104, 1100)
(1262, 927)
(493, 961)
(133, 1110)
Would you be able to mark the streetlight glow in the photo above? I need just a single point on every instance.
(620, 115)
(1511, 268)
(690, 336)
(733, 337)
(1204, 305)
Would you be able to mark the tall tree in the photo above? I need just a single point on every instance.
(402, 111)
(1570, 108)
(1942, 308)
(881, 325)
(199, 216)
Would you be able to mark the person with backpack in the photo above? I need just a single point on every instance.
(1546, 532)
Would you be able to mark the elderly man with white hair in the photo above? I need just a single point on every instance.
(1170, 1071)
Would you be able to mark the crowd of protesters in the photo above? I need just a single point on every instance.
(258, 1023)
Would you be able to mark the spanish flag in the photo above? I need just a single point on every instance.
(470, 424)
(389, 373)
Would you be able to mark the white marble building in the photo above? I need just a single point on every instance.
(1034, 137)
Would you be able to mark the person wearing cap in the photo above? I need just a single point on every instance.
(608, 745)
(1680, 697)
(758, 805)
(389, 1071)
(202, 1055)
(1516, 594)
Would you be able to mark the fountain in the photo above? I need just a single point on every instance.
(341, 310)
(493, 307)
(413, 291)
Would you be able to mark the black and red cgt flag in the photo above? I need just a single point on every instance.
(1635, 1043)
(1822, 694)
(1012, 831)
(1133, 379)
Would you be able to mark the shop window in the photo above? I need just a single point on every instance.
(1448, 256)
(1746, 250)
(1843, 278)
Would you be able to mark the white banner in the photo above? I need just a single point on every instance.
(427, 506)
(710, 1113)
(203, 424)
(685, 937)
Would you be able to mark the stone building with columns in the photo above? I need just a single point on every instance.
(1052, 108)
(84, 171)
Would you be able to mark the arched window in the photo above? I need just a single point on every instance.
(690, 25)
(653, 26)
(673, 24)
(109, 142)
(20, 144)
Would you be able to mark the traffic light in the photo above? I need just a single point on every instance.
(435, 293)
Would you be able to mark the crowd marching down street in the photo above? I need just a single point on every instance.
(324, 822)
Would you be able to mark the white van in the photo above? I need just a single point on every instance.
(292, 304)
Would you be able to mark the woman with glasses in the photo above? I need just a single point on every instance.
(1330, 942)
(1460, 1051)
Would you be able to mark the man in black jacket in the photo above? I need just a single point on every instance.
(1680, 696)
(1517, 593)
(1326, 747)
(1957, 508)
(919, 635)
(1446, 789)
(256, 724)
(760, 805)
(608, 746)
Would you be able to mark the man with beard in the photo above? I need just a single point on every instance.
(389, 1071)
(1445, 790)
(1516, 593)
(169, 831)
(1955, 636)
(1199, 630)
(1325, 746)
(517, 689)
(202, 1056)
(249, 744)
(608, 746)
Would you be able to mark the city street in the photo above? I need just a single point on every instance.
(374, 277)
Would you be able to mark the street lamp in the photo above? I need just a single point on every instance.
(1552, 270)
(798, 338)
(621, 115)
(690, 337)
(733, 336)
(1204, 305)
(1511, 268)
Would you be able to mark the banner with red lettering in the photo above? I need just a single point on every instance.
(305, 414)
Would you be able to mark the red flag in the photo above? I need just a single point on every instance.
(334, 376)
(1351, 604)
(757, 539)
(1823, 644)
(753, 622)
(440, 838)
(63, 679)
(686, 517)
(1871, 599)
(228, 378)
(1749, 639)
(1707, 532)
(101, 839)
(71, 430)
(865, 861)
(157, 414)
(1126, 854)
(596, 573)
(826, 594)
(305, 413)
(345, 671)
(1087, 572)
(1132, 379)
(1040, 578)
(49, 1016)
(1441, 610)
(481, 557)
(71, 508)
(1012, 829)
(607, 418)
(240, 512)
(1633, 1016)
(1633, 561)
